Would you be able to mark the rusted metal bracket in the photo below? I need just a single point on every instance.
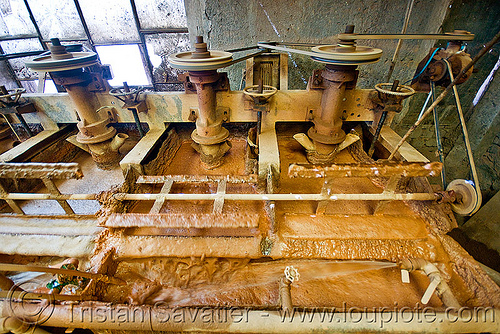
(222, 84)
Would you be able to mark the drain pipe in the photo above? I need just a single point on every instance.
(290, 275)
(437, 283)
(146, 318)
(286, 294)
(17, 326)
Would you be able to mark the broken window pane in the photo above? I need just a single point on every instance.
(31, 86)
(14, 19)
(21, 45)
(50, 87)
(161, 14)
(57, 19)
(110, 21)
(126, 64)
(160, 46)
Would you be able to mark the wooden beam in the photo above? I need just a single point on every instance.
(141, 150)
(376, 169)
(34, 145)
(37, 170)
(155, 179)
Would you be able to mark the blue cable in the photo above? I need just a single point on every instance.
(427, 64)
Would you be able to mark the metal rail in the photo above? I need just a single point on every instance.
(268, 197)
(447, 37)
(230, 197)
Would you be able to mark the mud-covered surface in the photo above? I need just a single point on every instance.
(236, 282)
(345, 256)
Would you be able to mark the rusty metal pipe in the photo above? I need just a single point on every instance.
(147, 318)
(210, 137)
(285, 292)
(327, 130)
(85, 102)
(207, 107)
(331, 112)
(17, 326)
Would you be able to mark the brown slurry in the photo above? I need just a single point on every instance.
(401, 230)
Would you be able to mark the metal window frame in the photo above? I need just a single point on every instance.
(146, 60)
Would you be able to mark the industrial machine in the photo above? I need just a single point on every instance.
(215, 210)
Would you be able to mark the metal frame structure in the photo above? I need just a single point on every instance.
(148, 66)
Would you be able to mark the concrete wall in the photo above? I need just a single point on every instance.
(230, 24)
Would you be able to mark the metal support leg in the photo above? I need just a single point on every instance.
(438, 137)
(24, 124)
(137, 122)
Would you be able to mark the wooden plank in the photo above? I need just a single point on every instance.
(390, 187)
(321, 208)
(194, 232)
(154, 179)
(49, 225)
(33, 145)
(219, 202)
(165, 189)
(13, 205)
(141, 150)
(171, 107)
(389, 139)
(80, 246)
(52, 188)
(283, 71)
(181, 220)
(303, 226)
(376, 169)
(37, 170)
(151, 246)
(269, 155)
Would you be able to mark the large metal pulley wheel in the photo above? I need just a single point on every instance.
(346, 55)
(185, 61)
(47, 64)
(401, 90)
(467, 197)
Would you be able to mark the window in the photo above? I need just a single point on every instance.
(134, 37)
(126, 64)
